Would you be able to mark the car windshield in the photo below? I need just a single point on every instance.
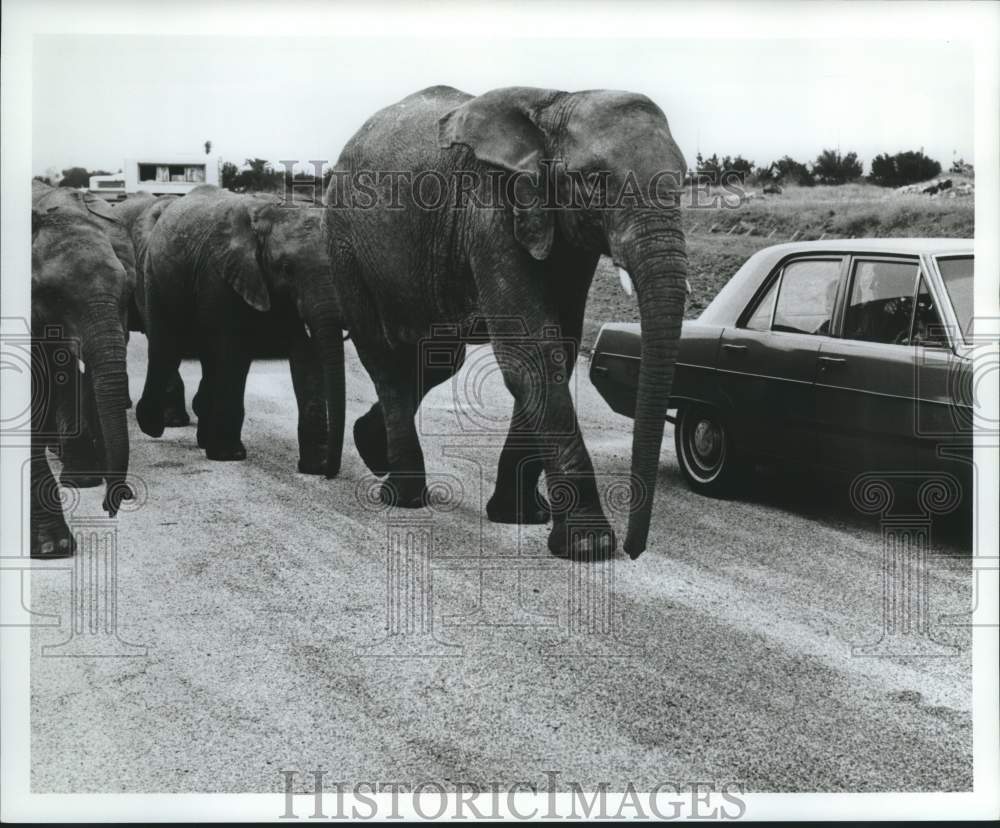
(956, 272)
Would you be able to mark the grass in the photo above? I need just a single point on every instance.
(720, 239)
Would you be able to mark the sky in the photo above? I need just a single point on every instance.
(100, 99)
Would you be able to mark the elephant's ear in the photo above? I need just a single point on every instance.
(239, 266)
(501, 128)
(99, 207)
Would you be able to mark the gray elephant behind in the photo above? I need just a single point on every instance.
(80, 290)
(221, 272)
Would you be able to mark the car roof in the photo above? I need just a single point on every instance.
(922, 245)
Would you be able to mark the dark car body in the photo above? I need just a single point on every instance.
(849, 354)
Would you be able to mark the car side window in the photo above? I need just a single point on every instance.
(806, 295)
(881, 304)
(928, 330)
(760, 319)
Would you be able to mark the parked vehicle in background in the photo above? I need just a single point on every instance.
(157, 174)
(849, 355)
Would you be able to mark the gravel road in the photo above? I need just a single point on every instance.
(253, 605)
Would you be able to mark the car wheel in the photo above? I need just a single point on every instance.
(705, 451)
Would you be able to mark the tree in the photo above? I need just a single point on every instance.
(708, 169)
(738, 165)
(787, 170)
(833, 168)
(712, 169)
(79, 177)
(903, 168)
(228, 174)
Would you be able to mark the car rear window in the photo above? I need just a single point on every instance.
(957, 274)
(806, 296)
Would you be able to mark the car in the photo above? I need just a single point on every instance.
(850, 355)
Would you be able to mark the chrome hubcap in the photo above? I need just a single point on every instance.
(706, 445)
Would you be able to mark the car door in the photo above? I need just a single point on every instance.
(944, 394)
(866, 381)
(767, 362)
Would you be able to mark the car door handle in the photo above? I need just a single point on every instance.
(830, 362)
(739, 349)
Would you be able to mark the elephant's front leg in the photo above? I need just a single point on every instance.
(307, 380)
(82, 460)
(230, 366)
(395, 377)
(50, 535)
(516, 498)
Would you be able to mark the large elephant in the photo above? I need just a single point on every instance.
(223, 270)
(407, 261)
(79, 297)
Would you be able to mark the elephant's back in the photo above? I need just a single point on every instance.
(405, 132)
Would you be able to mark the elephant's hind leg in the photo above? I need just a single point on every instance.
(174, 413)
(394, 375)
(371, 440)
(516, 498)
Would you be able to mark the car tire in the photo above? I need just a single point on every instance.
(705, 451)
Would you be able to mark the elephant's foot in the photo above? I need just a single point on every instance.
(407, 491)
(528, 510)
(149, 416)
(51, 538)
(370, 439)
(176, 418)
(226, 451)
(314, 463)
(75, 479)
(582, 537)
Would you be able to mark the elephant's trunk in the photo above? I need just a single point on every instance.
(327, 331)
(650, 245)
(103, 346)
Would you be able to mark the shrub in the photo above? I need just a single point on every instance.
(903, 168)
(712, 169)
(833, 168)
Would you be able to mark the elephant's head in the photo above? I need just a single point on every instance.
(620, 142)
(80, 284)
(275, 249)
